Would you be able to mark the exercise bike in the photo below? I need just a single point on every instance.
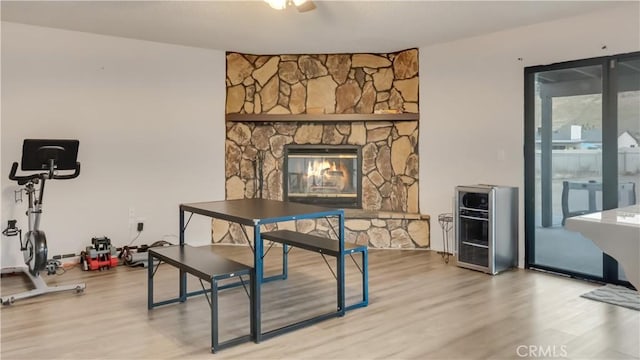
(50, 156)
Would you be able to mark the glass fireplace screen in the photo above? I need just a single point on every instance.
(323, 175)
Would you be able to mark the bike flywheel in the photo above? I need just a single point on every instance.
(35, 252)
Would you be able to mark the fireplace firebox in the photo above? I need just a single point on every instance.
(328, 175)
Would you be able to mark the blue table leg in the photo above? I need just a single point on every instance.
(341, 280)
(183, 275)
(257, 261)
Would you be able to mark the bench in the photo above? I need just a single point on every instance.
(208, 266)
(324, 246)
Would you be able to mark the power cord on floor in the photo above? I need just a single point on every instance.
(127, 255)
(56, 267)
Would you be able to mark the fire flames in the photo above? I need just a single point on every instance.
(323, 176)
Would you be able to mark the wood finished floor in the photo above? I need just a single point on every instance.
(420, 308)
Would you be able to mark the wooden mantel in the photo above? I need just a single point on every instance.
(321, 117)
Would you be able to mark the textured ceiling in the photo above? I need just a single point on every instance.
(334, 27)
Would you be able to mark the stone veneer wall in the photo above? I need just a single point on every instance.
(330, 84)
(389, 158)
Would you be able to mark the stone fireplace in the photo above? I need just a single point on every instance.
(317, 104)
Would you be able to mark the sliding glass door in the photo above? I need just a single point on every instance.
(627, 109)
(582, 127)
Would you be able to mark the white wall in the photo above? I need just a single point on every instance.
(150, 120)
(472, 101)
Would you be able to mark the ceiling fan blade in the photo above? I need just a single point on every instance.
(306, 6)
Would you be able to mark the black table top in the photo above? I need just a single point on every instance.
(258, 211)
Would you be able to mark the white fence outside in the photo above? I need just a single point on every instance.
(581, 163)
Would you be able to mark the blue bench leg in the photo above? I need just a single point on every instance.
(285, 262)
(183, 286)
(365, 281)
(252, 314)
(214, 315)
(150, 282)
(365, 277)
(285, 268)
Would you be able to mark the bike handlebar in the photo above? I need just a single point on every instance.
(76, 173)
(23, 179)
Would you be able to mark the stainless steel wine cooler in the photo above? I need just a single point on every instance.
(486, 227)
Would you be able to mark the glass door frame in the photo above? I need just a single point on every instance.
(610, 88)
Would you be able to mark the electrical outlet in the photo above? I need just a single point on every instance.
(140, 226)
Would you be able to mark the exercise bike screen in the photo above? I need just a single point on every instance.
(36, 154)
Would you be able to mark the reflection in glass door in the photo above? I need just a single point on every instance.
(582, 155)
(628, 131)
